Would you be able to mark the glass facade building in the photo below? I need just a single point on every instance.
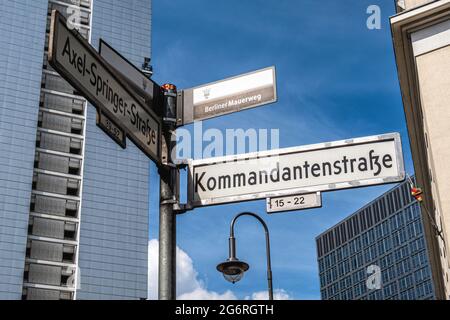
(22, 29)
(113, 263)
(73, 204)
(384, 239)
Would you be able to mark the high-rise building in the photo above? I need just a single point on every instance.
(421, 37)
(377, 253)
(73, 204)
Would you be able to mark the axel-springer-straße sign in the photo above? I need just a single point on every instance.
(78, 62)
(322, 167)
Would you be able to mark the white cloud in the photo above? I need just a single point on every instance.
(278, 294)
(189, 287)
(203, 294)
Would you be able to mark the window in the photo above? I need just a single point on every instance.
(380, 248)
(371, 236)
(362, 220)
(332, 258)
(358, 244)
(393, 223)
(367, 257)
(373, 252)
(378, 232)
(348, 281)
(321, 266)
(421, 275)
(417, 245)
(364, 240)
(354, 277)
(333, 273)
(387, 244)
(340, 270)
(410, 231)
(409, 215)
(378, 294)
(342, 284)
(396, 239)
(401, 253)
(360, 259)
(419, 259)
(420, 289)
(349, 294)
(339, 254)
(327, 261)
(418, 230)
(390, 289)
(382, 205)
(403, 235)
(344, 251)
(406, 282)
(400, 219)
(396, 198)
(362, 274)
(329, 291)
(390, 273)
(354, 262)
(359, 289)
(376, 212)
(428, 288)
(416, 210)
(346, 266)
(408, 294)
(385, 228)
(351, 247)
(403, 267)
(327, 277)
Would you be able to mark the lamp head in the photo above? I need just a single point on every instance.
(233, 270)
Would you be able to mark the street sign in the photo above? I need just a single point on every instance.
(321, 167)
(78, 63)
(234, 94)
(143, 86)
(293, 203)
(111, 129)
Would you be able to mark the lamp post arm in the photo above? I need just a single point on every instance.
(232, 246)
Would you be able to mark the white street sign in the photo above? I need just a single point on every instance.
(234, 94)
(144, 86)
(321, 167)
(78, 62)
(293, 203)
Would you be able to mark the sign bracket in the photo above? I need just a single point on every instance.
(182, 208)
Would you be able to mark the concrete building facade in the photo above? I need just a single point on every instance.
(377, 253)
(73, 204)
(421, 36)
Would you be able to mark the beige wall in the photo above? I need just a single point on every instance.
(422, 48)
(433, 70)
(415, 3)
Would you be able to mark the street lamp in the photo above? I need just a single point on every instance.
(233, 269)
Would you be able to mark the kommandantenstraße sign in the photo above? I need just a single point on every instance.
(321, 167)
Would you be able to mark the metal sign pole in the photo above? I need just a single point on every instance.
(167, 216)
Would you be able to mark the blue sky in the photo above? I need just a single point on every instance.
(336, 79)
